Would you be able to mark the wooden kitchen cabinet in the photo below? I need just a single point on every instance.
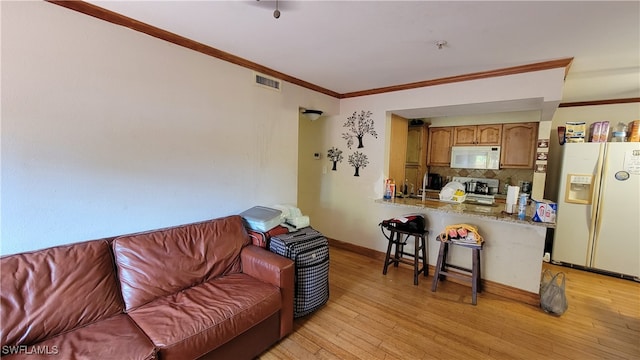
(416, 145)
(477, 135)
(439, 150)
(398, 149)
(464, 135)
(518, 145)
(415, 165)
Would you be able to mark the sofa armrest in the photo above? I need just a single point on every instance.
(276, 270)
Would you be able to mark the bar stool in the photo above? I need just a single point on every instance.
(419, 253)
(470, 275)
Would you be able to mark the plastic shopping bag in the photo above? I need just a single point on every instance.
(552, 293)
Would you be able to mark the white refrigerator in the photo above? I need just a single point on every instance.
(598, 215)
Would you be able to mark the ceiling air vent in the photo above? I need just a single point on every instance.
(268, 82)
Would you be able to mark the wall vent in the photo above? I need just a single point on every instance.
(268, 82)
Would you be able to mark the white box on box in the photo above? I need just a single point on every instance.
(261, 218)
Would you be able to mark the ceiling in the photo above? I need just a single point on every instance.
(352, 46)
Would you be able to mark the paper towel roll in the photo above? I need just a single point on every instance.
(512, 198)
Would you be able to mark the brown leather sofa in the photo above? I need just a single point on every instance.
(196, 291)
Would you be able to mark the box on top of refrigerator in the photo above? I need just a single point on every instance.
(576, 129)
(599, 131)
(545, 211)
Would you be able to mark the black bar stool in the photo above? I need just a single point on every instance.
(399, 238)
(470, 275)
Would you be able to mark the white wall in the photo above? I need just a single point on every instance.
(341, 205)
(108, 131)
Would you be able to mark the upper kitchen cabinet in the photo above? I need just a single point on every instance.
(477, 135)
(518, 145)
(415, 165)
(416, 145)
(439, 150)
(398, 148)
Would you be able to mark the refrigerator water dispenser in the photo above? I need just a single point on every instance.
(579, 189)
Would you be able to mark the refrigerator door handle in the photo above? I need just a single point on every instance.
(595, 195)
(599, 208)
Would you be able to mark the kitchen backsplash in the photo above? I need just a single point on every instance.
(516, 175)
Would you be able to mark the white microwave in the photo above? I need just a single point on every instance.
(475, 157)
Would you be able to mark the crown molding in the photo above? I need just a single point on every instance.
(600, 102)
(545, 65)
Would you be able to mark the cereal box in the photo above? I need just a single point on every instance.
(599, 131)
(594, 131)
(604, 131)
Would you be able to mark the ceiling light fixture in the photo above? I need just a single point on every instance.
(276, 12)
(440, 44)
(312, 115)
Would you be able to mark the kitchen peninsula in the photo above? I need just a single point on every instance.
(513, 248)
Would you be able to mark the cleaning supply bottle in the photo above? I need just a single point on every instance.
(522, 206)
(387, 189)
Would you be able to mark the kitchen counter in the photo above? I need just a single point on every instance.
(513, 248)
(493, 213)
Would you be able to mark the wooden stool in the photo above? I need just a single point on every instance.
(419, 252)
(473, 274)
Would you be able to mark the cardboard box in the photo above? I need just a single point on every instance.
(594, 131)
(576, 129)
(599, 131)
(574, 139)
(545, 211)
(634, 131)
(604, 132)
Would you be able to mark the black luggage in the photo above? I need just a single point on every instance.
(309, 249)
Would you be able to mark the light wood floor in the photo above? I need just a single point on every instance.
(372, 316)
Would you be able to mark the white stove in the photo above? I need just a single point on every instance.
(481, 195)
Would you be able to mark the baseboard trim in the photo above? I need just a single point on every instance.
(488, 286)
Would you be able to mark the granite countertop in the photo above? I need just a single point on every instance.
(480, 211)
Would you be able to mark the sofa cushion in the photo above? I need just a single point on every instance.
(51, 291)
(115, 338)
(199, 319)
(162, 262)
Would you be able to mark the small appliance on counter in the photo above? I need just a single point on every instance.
(479, 190)
(434, 182)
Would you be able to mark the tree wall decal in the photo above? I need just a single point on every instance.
(335, 155)
(358, 160)
(359, 125)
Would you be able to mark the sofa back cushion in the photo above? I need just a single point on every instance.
(50, 291)
(162, 262)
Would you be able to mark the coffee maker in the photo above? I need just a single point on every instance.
(434, 182)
